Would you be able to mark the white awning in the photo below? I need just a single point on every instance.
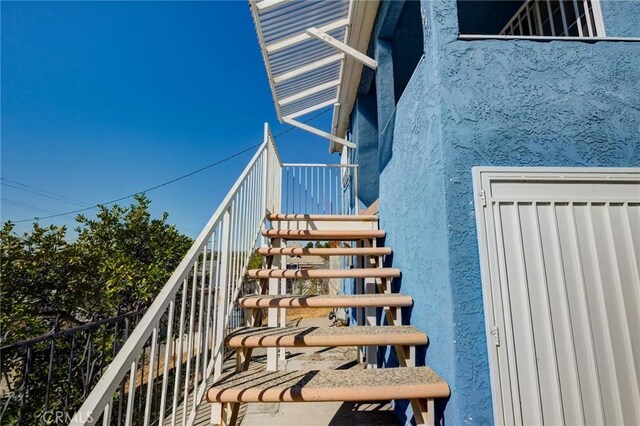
(313, 50)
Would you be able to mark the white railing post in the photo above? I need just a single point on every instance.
(272, 174)
(223, 287)
(221, 295)
(279, 262)
(269, 191)
(356, 194)
(265, 171)
(273, 313)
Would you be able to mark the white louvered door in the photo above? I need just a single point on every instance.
(560, 261)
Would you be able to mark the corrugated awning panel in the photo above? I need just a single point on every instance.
(324, 74)
(286, 19)
(304, 72)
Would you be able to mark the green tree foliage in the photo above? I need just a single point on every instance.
(118, 263)
(130, 254)
(317, 244)
(250, 285)
(40, 273)
(115, 263)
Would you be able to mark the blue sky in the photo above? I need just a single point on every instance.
(103, 99)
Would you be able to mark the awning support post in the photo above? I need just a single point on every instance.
(318, 132)
(337, 44)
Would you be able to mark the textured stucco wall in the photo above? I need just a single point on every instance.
(364, 128)
(502, 103)
(525, 104)
(621, 17)
(412, 211)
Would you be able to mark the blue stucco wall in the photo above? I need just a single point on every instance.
(621, 17)
(364, 127)
(500, 103)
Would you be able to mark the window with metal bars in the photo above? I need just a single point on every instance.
(556, 18)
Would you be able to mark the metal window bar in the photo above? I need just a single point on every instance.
(557, 18)
(578, 14)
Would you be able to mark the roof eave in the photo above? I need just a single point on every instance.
(362, 22)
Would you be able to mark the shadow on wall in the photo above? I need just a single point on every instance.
(485, 17)
(385, 144)
(398, 48)
(388, 358)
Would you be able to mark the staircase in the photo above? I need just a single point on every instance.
(175, 360)
(419, 385)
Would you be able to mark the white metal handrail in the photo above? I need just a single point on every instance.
(185, 326)
(160, 374)
(320, 188)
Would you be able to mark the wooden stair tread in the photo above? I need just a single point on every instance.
(379, 384)
(323, 217)
(324, 273)
(333, 235)
(264, 337)
(338, 251)
(327, 301)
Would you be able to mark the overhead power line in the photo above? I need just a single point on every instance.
(169, 182)
(143, 191)
(23, 205)
(41, 192)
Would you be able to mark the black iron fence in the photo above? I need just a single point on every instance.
(44, 380)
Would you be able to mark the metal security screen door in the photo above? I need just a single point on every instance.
(559, 252)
